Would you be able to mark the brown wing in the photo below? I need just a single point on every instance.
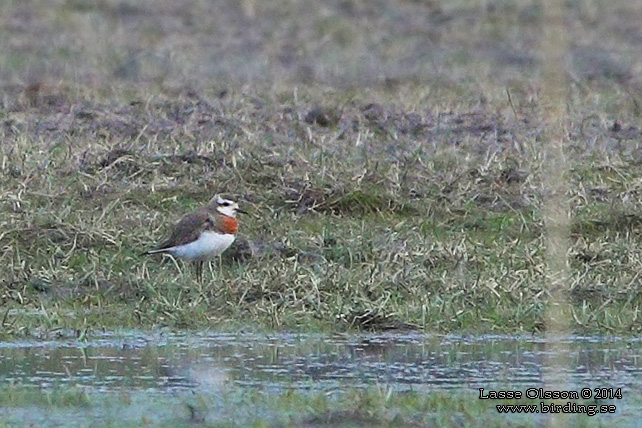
(187, 230)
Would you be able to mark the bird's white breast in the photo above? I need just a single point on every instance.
(209, 244)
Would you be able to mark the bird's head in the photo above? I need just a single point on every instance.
(226, 207)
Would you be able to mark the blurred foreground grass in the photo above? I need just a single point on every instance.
(373, 407)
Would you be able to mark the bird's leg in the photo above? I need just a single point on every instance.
(199, 271)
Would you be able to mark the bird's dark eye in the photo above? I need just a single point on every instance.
(225, 204)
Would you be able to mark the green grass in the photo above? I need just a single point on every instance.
(433, 244)
(466, 254)
(14, 396)
(398, 189)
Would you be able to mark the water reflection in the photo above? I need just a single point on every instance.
(168, 362)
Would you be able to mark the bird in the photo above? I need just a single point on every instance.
(203, 234)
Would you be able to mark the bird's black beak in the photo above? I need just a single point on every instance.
(238, 210)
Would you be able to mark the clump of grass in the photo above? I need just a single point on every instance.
(14, 396)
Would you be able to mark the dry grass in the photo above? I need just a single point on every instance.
(391, 158)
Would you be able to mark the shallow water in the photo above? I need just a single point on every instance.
(164, 363)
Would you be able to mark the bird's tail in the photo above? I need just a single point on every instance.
(150, 252)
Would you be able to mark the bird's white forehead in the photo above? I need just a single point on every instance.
(220, 200)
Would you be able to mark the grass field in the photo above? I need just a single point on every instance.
(390, 155)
